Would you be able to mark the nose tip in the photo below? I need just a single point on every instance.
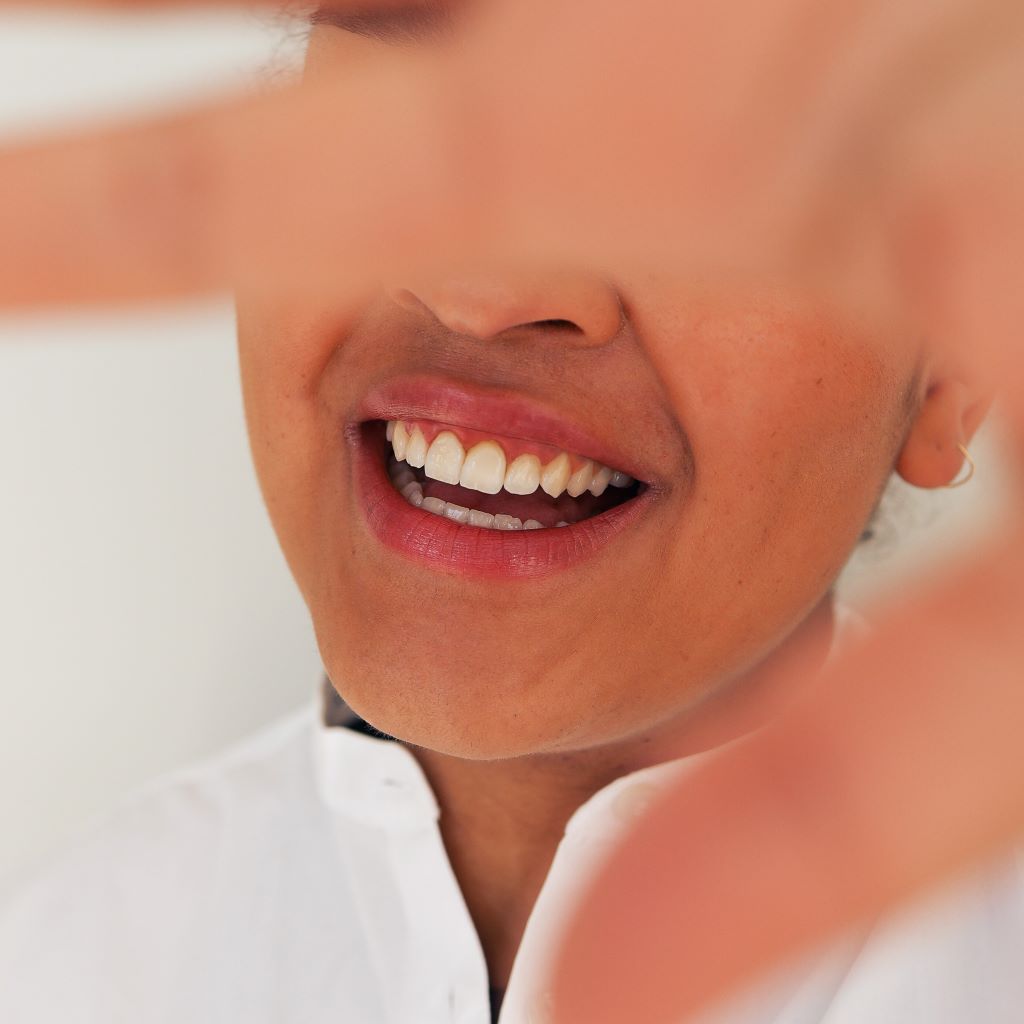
(582, 307)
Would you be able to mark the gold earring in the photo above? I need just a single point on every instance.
(970, 468)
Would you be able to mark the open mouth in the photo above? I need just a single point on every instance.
(497, 483)
(478, 483)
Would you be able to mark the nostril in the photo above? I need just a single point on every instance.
(575, 307)
(557, 325)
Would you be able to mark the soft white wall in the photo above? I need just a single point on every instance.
(146, 617)
(918, 532)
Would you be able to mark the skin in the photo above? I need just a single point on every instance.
(769, 420)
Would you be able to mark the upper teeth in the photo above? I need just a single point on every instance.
(485, 467)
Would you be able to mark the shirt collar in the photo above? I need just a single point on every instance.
(367, 775)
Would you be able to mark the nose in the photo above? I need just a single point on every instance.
(585, 308)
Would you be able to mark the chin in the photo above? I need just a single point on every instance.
(467, 715)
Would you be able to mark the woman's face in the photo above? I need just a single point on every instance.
(762, 427)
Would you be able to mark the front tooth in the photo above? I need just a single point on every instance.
(444, 458)
(533, 524)
(400, 441)
(600, 482)
(416, 451)
(523, 476)
(580, 480)
(435, 505)
(556, 475)
(484, 468)
(483, 519)
(620, 479)
(507, 523)
(390, 429)
(456, 512)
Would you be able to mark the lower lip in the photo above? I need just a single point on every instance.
(445, 546)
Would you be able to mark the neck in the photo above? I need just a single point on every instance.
(502, 821)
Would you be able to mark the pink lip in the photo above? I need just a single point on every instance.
(458, 550)
(504, 415)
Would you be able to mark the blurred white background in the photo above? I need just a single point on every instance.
(146, 616)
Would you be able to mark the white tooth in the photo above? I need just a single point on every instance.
(411, 488)
(556, 475)
(456, 512)
(580, 480)
(532, 524)
(390, 430)
(507, 523)
(415, 499)
(402, 477)
(523, 476)
(416, 452)
(562, 523)
(435, 505)
(400, 441)
(484, 468)
(483, 519)
(600, 482)
(444, 458)
(620, 479)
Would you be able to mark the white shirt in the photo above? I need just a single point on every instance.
(301, 878)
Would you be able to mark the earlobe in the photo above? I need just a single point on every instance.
(948, 417)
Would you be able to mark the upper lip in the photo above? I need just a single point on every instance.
(493, 411)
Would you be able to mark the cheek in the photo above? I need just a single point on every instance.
(780, 401)
(777, 418)
(282, 355)
(794, 427)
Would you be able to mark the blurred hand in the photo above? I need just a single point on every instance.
(870, 148)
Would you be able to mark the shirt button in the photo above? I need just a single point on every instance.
(631, 803)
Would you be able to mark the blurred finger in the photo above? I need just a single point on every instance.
(903, 769)
(312, 185)
(270, 189)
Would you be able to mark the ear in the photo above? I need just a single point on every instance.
(949, 414)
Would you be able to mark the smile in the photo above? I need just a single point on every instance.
(483, 485)
(498, 483)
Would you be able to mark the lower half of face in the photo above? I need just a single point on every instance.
(749, 448)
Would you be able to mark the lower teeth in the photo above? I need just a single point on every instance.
(410, 488)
